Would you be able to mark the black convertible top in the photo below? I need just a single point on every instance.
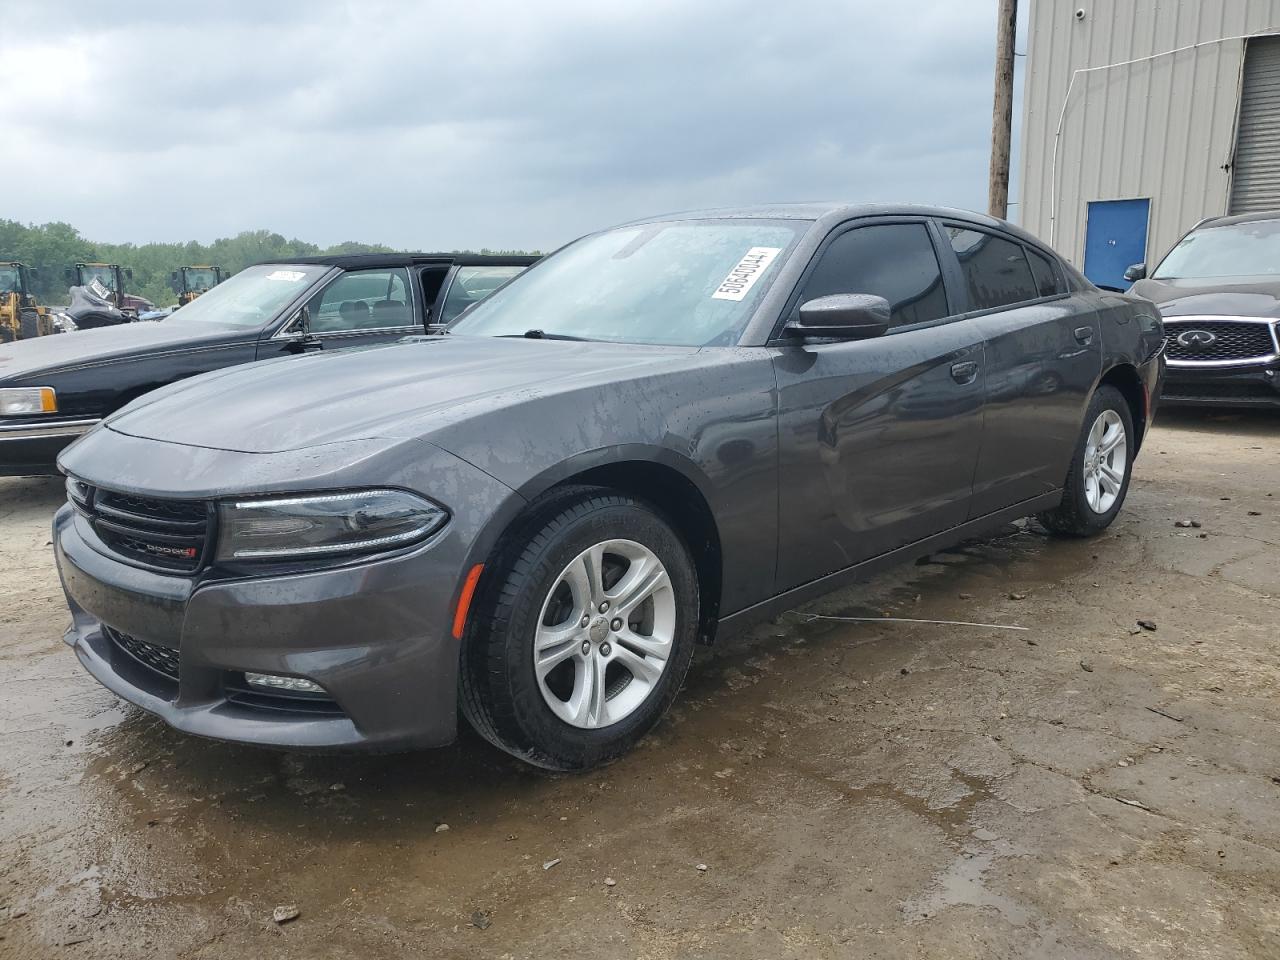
(361, 261)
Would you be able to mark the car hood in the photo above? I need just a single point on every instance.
(104, 344)
(399, 391)
(1239, 298)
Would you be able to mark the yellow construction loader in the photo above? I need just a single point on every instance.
(21, 317)
(189, 282)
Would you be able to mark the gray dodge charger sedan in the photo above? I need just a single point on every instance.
(661, 432)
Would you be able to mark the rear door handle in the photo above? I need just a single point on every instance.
(964, 372)
(1084, 335)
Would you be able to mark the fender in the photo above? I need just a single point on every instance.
(611, 456)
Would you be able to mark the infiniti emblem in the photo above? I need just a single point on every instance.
(1197, 339)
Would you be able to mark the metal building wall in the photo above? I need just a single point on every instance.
(1162, 128)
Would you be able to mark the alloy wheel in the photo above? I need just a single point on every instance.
(605, 634)
(1106, 457)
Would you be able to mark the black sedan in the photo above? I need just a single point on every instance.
(1218, 290)
(659, 433)
(54, 388)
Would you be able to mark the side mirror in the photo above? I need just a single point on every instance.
(128, 272)
(843, 316)
(302, 340)
(35, 273)
(69, 274)
(1137, 271)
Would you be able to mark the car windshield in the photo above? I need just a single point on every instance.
(252, 297)
(687, 282)
(9, 280)
(1239, 250)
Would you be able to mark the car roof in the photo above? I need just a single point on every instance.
(1238, 218)
(361, 261)
(833, 212)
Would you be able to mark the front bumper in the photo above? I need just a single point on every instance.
(1243, 386)
(31, 447)
(372, 635)
(375, 635)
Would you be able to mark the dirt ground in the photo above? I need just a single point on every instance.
(1085, 788)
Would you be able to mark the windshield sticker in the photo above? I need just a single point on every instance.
(289, 276)
(744, 276)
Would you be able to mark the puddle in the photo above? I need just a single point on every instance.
(963, 884)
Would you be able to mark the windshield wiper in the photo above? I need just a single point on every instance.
(543, 335)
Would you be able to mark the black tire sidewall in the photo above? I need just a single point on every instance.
(1089, 520)
(530, 722)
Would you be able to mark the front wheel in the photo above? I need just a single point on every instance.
(1098, 479)
(583, 632)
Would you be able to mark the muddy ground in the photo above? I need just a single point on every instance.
(1086, 788)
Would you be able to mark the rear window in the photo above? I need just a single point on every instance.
(471, 285)
(1048, 279)
(996, 271)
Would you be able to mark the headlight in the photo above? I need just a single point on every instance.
(20, 401)
(364, 521)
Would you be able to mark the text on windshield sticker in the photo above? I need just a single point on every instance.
(744, 276)
(290, 276)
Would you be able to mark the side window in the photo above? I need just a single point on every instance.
(363, 300)
(894, 260)
(471, 285)
(1048, 279)
(995, 270)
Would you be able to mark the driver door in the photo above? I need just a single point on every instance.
(357, 308)
(878, 438)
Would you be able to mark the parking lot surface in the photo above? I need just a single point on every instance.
(1085, 788)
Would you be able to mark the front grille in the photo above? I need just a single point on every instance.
(1228, 340)
(169, 534)
(162, 660)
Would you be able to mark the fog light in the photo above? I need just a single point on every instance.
(269, 681)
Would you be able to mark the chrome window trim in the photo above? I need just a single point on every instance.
(43, 431)
(1216, 318)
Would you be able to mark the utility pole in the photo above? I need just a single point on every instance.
(1002, 110)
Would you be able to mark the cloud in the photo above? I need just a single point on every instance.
(442, 125)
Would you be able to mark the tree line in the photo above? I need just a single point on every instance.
(52, 247)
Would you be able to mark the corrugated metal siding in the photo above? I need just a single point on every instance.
(1162, 128)
(1255, 176)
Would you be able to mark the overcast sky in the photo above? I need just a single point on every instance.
(454, 125)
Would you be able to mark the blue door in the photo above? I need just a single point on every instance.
(1116, 236)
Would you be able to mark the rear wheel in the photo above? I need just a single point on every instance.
(1100, 470)
(583, 631)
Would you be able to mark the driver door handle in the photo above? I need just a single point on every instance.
(1084, 335)
(964, 372)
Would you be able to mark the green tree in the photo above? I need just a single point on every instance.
(53, 247)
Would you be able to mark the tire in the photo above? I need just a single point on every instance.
(28, 324)
(541, 575)
(1092, 495)
(6, 334)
